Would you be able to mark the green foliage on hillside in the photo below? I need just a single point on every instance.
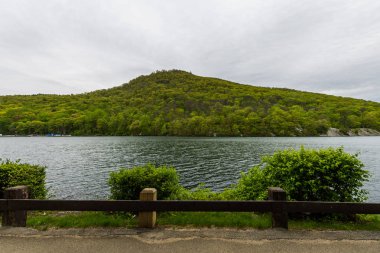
(180, 103)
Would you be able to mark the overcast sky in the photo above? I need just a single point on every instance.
(52, 46)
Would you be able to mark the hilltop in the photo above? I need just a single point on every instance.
(179, 103)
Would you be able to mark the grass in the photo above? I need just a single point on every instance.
(363, 222)
(44, 221)
(215, 219)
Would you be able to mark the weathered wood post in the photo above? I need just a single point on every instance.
(148, 219)
(15, 218)
(279, 212)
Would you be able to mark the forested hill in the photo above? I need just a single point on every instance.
(182, 104)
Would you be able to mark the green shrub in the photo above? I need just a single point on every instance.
(306, 175)
(16, 173)
(198, 193)
(128, 183)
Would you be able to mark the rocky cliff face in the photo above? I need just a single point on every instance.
(334, 132)
(363, 132)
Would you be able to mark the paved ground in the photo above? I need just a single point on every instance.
(17, 240)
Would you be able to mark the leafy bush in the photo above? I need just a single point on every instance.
(308, 175)
(16, 173)
(128, 183)
(198, 193)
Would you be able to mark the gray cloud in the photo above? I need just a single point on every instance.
(52, 46)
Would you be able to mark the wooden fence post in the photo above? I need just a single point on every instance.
(148, 219)
(279, 212)
(15, 218)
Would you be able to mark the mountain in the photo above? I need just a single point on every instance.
(182, 104)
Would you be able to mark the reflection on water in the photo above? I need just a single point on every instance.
(78, 167)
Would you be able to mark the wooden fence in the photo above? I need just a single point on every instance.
(16, 205)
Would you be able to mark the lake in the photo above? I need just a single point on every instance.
(79, 167)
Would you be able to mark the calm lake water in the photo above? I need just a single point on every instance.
(78, 167)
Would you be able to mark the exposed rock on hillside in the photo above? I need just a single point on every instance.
(334, 132)
(363, 132)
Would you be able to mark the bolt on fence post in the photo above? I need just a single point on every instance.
(279, 212)
(15, 218)
(148, 219)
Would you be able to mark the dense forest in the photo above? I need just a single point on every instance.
(182, 104)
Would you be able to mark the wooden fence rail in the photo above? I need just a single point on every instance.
(191, 206)
(278, 207)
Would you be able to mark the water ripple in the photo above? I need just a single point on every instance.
(78, 167)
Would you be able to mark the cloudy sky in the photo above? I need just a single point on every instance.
(57, 46)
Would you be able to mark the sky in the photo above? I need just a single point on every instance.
(69, 47)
